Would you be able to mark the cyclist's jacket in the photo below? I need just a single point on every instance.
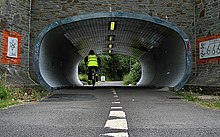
(92, 61)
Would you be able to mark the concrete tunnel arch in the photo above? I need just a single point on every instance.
(162, 48)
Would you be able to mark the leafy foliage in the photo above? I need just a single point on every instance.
(134, 75)
(82, 67)
(3, 93)
(113, 67)
(83, 77)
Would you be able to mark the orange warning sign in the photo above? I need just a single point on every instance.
(11, 42)
(208, 49)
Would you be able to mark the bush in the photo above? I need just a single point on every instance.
(134, 75)
(83, 77)
(127, 79)
(3, 93)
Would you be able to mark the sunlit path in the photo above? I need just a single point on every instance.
(111, 83)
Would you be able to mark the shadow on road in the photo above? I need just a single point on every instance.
(69, 97)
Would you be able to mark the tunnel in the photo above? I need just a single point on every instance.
(162, 48)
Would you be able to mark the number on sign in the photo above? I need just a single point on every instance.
(218, 49)
(213, 50)
(208, 50)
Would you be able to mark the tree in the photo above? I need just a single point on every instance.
(114, 67)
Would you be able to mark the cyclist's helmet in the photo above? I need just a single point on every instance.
(91, 52)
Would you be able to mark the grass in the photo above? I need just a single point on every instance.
(19, 95)
(215, 105)
(6, 103)
(188, 95)
(15, 95)
(210, 101)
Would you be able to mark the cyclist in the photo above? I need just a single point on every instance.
(92, 61)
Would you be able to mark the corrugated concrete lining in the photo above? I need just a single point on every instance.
(162, 48)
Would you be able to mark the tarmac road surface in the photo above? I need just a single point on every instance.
(110, 111)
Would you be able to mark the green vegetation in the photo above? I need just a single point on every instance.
(83, 77)
(3, 93)
(188, 95)
(115, 68)
(6, 103)
(11, 95)
(134, 75)
(215, 104)
(211, 101)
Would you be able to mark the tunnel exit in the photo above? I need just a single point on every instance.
(116, 68)
(162, 48)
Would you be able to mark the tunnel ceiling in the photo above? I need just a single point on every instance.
(130, 36)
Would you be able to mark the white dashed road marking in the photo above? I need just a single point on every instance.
(117, 120)
(120, 134)
(120, 114)
(117, 124)
(116, 102)
(116, 107)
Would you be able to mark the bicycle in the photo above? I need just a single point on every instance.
(93, 78)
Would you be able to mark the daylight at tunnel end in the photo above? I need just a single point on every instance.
(70, 78)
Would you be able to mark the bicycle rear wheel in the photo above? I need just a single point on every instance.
(93, 78)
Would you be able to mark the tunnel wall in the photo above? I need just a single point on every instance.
(207, 17)
(147, 62)
(165, 65)
(177, 42)
(57, 58)
(171, 61)
(178, 12)
(15, 17)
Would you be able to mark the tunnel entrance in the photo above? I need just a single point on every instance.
(162, 48)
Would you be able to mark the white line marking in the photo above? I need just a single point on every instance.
(117, 124)
(117, 102)
(120, 114)
(122, 134)
(116, 107)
